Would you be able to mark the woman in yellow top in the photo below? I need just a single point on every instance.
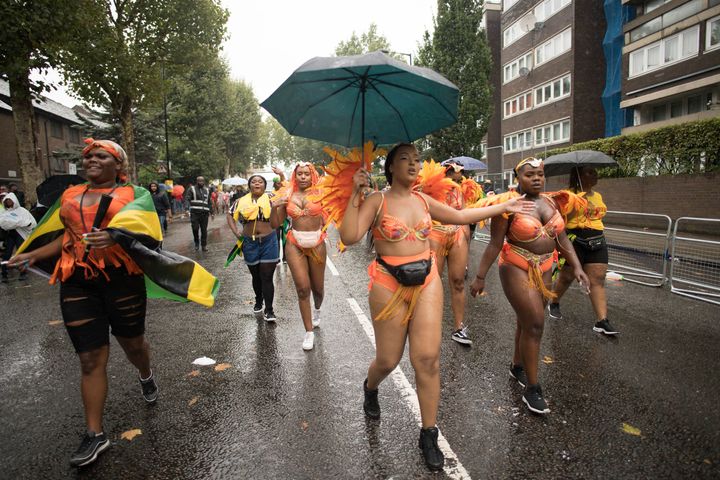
(259, 243)
(586, 230)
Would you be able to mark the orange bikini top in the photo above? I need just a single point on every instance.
(392, 229)
(526, 228)
(311, 209)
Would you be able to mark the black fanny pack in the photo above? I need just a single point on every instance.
(409, 274)
(591, 244)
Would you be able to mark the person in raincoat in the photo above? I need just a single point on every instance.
(17, 224)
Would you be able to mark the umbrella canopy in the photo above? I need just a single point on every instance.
(51, 189)
(234, 181)
(564, 163)
(349, 100)
(468, 162)
(178, 190)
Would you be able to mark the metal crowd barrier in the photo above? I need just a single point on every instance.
(695, 260)
(638, 246)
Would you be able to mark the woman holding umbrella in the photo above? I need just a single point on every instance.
(305, 248)
(585, 229)
(527, 247)
(259, 242)
(405, 292)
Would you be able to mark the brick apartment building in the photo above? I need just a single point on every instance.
(550, 75)
(57, 129)
(567, 71)
(670, 62)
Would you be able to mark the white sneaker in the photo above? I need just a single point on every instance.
(316, 318)
(309, 340)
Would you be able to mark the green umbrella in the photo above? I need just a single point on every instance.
(349, 100)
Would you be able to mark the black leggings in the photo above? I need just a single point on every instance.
(262, 282)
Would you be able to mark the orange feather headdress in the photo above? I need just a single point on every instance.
(432, 181)
(471, 190)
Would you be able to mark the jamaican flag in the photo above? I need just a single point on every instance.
(236, 250)
(136, 228)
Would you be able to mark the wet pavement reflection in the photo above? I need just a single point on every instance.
(279, 412)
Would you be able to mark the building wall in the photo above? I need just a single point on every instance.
(584, 62)
(672, 195)
(494, 134)
(8, 151)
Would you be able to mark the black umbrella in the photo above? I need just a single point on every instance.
(564, 163)
(51, 189)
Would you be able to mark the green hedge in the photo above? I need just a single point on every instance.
(692, 147)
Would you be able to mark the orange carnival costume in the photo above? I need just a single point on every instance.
(306, 241)
(392, 229)
(433, 182)
(526, 228)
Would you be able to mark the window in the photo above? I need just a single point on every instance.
(508, 4)
(554, 47)
(676, 109)
(518, 141)
(74, 135)
(548, 8)
(56, 129)
(512, 34)
(518, 104)
(651, 5)
(694, 104)
(552, 91)
(673, 16)
(713, 34)
(557, 132)
(512, 70)
(664, 52)
(658, 113)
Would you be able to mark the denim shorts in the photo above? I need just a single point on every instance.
(263, 250)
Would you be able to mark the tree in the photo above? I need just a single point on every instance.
(365, 43)
(458, 49)
(120, 60)
(31, 33)
(243, 122)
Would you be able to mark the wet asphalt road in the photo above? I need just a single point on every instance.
(280, 412)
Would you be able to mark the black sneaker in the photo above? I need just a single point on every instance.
(258, 308)
(434, 458)
(518, 373)
(603, 326)
(91, 446)
(270, 317)
(204, 248)
(554, 311)
(534, 400)
(197, 247)
(371, 405)
(149, 389)
(461, 336)
(4, 279)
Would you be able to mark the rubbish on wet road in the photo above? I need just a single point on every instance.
(130, 434)
(203, 361)
(630, 430)
(222, 366)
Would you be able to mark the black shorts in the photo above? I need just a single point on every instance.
(585, 255)
(117, 305)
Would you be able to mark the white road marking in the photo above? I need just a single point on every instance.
(329, 262)
(409, 396)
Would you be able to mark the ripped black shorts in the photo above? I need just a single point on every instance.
(91, 308)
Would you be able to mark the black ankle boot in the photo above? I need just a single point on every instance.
(434, 458)
(371, 405)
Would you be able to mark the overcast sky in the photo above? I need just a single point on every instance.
(269, 39)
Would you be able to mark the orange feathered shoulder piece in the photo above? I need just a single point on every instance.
(471, 191)
(335, 188)
(432, 181)
(566, 202)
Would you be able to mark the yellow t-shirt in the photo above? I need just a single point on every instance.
(591, 216)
